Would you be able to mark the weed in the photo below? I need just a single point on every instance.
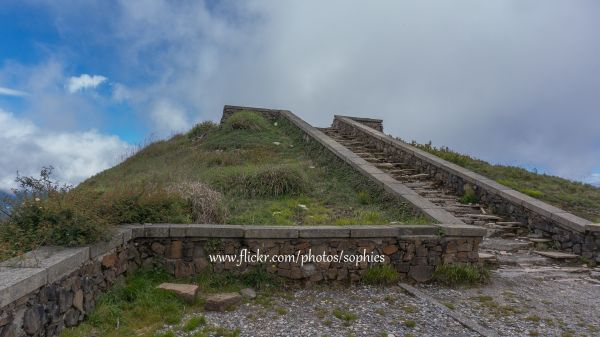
(533, 318)
(194, 323)
(409, 309)
(281, 311)
(410, 323)
(344, 315)
(449, 305)
(381, 274)
(469, 196)
(461, 274)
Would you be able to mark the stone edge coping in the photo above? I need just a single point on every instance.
(563, 218)
(22, 275)
(391, 185)
(363, 119)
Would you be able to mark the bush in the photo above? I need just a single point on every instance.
(382, 274)
(271, 181)
(245, 120)
(206, 203)
(44, 212)
(461, 274)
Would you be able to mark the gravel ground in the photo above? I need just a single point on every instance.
(370, 311)
(537, 301)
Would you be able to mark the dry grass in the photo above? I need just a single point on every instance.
(207, 204)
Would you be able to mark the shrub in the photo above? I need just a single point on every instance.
(207, 204)
(461, 274)
(382, 274)
(143, 203)
(271, 181)
(245, 120)
(44, 212)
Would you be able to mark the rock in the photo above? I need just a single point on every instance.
(78, 300)
(186, 291)
(158, 248)
(109, 261)
(175, 250)
(421, 273)
(220, 302)
(389, 250)
(71, 317)
(248, 293)
(33, 319)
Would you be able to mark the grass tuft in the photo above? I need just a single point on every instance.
(461, 275)
(382, 274)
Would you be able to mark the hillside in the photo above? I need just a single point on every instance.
(578, 198)
(264, 172)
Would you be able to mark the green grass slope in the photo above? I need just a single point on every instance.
(264, 172)
(575, 197)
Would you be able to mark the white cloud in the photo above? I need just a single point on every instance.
(84, 81)
(12, 92)
(508, 81)
(75, 155)
(594, 179)
(169, 118)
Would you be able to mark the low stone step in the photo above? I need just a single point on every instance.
(401, 171)
(417, 184)
(502, 223)
(384, 165)
(506, 245)
(419, 176)
(556, 255)
(474, 206)
(484, 216)
(539, 240)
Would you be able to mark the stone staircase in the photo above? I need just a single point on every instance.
(506, 241)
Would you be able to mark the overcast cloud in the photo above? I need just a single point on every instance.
(509, 81)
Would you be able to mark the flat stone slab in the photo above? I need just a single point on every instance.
(504, 244)
(186, 291)
(556, 255)
(220, 302)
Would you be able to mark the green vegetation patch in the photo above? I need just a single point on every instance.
(461, 275)
(135, 307)
(381, 274)
(576, 197)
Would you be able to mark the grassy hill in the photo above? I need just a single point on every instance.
(575, 197)
(261, 172)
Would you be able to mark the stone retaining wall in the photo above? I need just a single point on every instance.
(52, 288)
(569, 232)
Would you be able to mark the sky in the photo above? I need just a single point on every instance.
(84, 83)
